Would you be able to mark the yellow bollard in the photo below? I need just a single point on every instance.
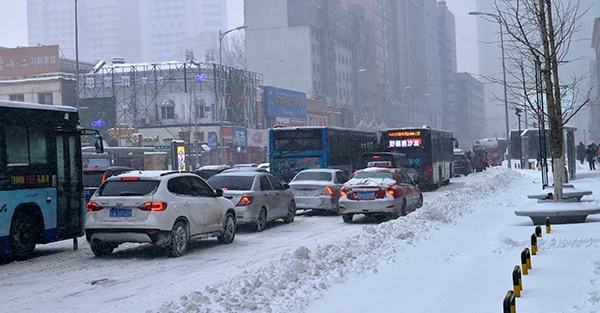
(524, 261)
(509, 302)
(547, 224)
(533, 244)
(538, 231)
(517, 281)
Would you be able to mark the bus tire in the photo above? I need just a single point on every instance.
(22, 237)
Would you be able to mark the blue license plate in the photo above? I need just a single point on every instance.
(120, 212)
(365, 195)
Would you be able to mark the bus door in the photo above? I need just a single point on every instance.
(69, 185)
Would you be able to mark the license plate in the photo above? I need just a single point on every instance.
(365, 195)
(120, 212)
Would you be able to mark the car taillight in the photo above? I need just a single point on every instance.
(104, 177)
(343, 192)
(428, 170)
(391, 192)
(93, 206)
(245, 200)
(328, 191)
(153, 206)
(130, 178)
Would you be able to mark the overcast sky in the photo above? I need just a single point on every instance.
(13, 27)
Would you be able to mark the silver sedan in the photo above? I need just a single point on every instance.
(258, 197)
(318, 189)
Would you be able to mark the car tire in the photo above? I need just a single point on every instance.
(420, 201)
(291, 213)
(100, 248)
(228, 233)
(261, 222)
(180, 237)
(21, 240)
(403, 208)
(347, 218)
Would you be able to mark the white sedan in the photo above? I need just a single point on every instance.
(318, 189)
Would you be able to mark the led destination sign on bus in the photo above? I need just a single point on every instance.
(405, 143)
(406, 133)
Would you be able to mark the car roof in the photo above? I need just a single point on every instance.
(380, 169)
(240, 173)
(212, 167)
(155, 174)
(328, 170)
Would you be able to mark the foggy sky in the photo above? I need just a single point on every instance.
(13, 26)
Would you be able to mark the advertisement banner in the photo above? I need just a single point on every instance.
(285, 103)
(258, 137)
(27, 61)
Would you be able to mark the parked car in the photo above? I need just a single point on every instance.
(462, 164)
(388, 159)
(258, 197)
(160, 207)
(318, 189)
(379, 191)
(207, 171)
(245, 169)
(94, 177)
(266, 166)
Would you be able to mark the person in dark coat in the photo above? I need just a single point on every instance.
(590, 154)
(581, 152)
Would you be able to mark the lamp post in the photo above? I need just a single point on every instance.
(221, 88)
(497, 18)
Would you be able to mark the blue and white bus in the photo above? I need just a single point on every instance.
(293, 149)
(41, 189)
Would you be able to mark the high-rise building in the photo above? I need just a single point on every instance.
(135, 30)
(106, 29)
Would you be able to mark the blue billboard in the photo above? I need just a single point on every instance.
(285, 103)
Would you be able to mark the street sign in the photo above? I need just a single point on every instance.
(212, 141)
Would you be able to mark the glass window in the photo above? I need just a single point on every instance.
(322, 176)
(231, 182)
(128, 187)
(16, 150)
(37, 147)
(20, 98)
(202, 188)
(275, 183)
(45, 98)
(181, 186)
(341, 177)
(264, 183)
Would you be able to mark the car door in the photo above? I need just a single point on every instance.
(280, 196)
(340, 178)
(212, 211)
(412, 195)
(267, 195)
(184, 202)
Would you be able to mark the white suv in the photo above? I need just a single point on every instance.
(161, 207)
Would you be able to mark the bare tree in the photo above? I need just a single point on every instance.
(234, 52)
(540, 33)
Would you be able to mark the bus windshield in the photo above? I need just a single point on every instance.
(298, 141)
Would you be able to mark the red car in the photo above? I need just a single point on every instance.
(379, 191)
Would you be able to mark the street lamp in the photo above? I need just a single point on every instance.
(221, 87)
(497, 18)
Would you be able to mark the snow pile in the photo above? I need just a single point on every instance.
(290, 283)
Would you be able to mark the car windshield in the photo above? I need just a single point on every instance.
(323, 176)
(113, 188)
(231, 182)
(92, 178)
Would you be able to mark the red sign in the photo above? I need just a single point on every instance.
(29, 61)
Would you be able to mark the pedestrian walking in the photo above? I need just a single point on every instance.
(590, 154)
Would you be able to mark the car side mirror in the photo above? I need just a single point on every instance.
(218, 192)
(286, 186)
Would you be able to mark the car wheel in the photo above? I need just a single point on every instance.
(22, 237)
(100, 248)
(420, 201)
(261, 222)
(403, 208)
(179, 239)
(347, 218)
(228, 233)
(291, 212)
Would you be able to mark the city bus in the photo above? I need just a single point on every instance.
(41, 190)
(293, 149)
(429, 151)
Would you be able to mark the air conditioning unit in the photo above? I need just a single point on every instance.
(145, 120)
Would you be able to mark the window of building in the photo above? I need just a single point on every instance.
(20, 98)
(45, 98)
(167, 109)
